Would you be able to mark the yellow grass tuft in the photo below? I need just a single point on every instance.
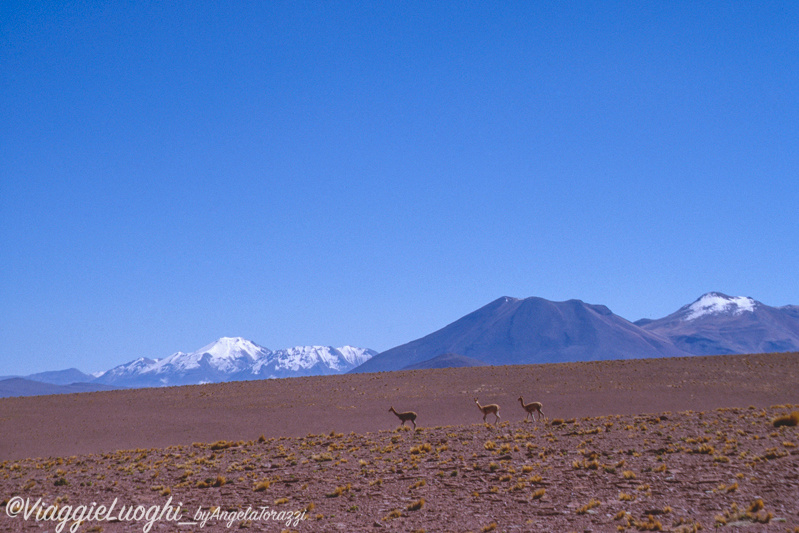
(415, 506)
(396, 513)
(650, 525)
(221, 445)
(338, 491)
(756, 506)
(590, 505)
(420, 483)
(422, 448)
(262, 486)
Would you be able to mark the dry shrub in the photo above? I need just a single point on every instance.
(221, 445)
(755, 513)
(791, 420)
(628, 474)
(756, 506)
(396, 513)
(338, 491)
(419, 483)
(262, 486)
(650, 525)
(415, 506)
(590, 505)
(422, 448)
(211, 482)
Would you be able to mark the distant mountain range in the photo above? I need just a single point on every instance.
(228, 359)
(535, 330)
(235, 359)
(507, 331)
(29, 387)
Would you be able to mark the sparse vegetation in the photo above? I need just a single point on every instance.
(681, 472)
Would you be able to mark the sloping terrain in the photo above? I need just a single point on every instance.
(98, 422)
(61, 377)
(673, 471)
(531, 331)
(25, 387)
(720, 324)
(670, 444)
(447, 360)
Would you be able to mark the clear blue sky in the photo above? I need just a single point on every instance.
(366, 173)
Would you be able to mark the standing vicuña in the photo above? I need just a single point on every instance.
(404, 417)
(532, 408)
(491, 408)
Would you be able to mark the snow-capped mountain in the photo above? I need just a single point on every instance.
(311, 361)
(714, 303)
(506, 331)
(720, 324)
(234, 359)
(228, 355)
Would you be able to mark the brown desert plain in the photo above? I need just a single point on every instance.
(678, 444)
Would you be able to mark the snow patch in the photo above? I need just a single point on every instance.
(714, 304)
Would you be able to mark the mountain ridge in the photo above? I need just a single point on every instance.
(226, 359)
(18, 386)
(507, 330)
(234, 359)
(534, 330)
(717, 324)
(501, 332)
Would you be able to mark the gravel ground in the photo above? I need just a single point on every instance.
(720, 463)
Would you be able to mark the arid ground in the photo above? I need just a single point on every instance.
(667, 444)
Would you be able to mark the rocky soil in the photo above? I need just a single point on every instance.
(724, 467)
(654, 472)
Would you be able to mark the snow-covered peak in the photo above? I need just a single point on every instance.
(228, 354)
(232, 348)
(307, 357)
(137, 365)
(714, 303)
(234, 358)
(356, 356)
